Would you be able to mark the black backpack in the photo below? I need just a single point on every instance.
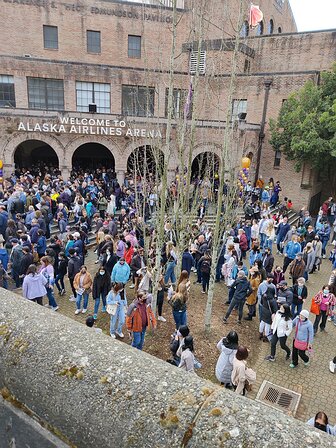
(206, 266)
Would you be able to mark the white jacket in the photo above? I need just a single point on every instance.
(281, 326)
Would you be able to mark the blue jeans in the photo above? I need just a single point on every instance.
(119, 317)
(97, 303)
(324, 245)
(269, 244)
(278, 241)
(180, 318)
(262, 240)
(51, 298)
(170, 272)
(296, 309)
(138, 339)
(59, 279)
(79, 300)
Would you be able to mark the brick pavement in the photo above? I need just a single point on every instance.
(315, 383)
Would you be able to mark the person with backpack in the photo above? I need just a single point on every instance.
(205, 268)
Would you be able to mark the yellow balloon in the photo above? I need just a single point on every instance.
(246, 162)
(1, 180)
(1, 164)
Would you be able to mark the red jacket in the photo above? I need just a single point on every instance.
(243, 243)
(128, 254)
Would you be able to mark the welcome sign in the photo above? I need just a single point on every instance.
(89, 126)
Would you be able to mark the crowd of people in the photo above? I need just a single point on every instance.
(39, 261)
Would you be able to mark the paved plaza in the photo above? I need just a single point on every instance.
(315, 383)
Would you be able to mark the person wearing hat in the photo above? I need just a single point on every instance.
(228, 348)
(303, 338)
(297, 268)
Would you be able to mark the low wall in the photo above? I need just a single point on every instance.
(99, 392)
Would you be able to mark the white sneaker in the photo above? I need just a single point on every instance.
(77, 311)
(72, 299)
(97, 261)
(132, 287)
(84, 310)
(162, 319)
(332, 367)
(121, 335)
(54, 308)
(113, 336)
(329, 319)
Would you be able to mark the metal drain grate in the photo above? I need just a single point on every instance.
(278, 397)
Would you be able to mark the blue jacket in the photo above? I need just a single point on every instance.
(265, 196)
(78, 246)
(3, 222)
(187, 262)
(324, 232)
(292, 249)
(254, 256)
(120, 273)
(4, 258)
(282, 231)
(235, 271)
(41, 245)
(305, 330)
(33, 233)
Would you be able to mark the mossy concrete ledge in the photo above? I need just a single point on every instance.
(99, 392)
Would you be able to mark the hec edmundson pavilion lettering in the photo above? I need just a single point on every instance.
(89, 126)
(78, 7)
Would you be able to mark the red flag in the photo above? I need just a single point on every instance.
(256, 16)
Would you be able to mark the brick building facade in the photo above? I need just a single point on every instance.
(87, 82)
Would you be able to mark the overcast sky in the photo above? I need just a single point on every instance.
(314, 14)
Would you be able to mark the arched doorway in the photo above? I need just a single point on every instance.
(91, 156)
(205, 164)
(145, 161)
(35, 155)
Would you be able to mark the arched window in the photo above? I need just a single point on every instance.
(279, 30)
(271, 27)
(244, 32)
(260, 29)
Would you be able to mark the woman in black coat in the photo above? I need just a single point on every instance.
(269, 307)
(100, 288)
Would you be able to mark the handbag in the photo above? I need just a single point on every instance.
(314, 308)
(111, 309)
(300, 345)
